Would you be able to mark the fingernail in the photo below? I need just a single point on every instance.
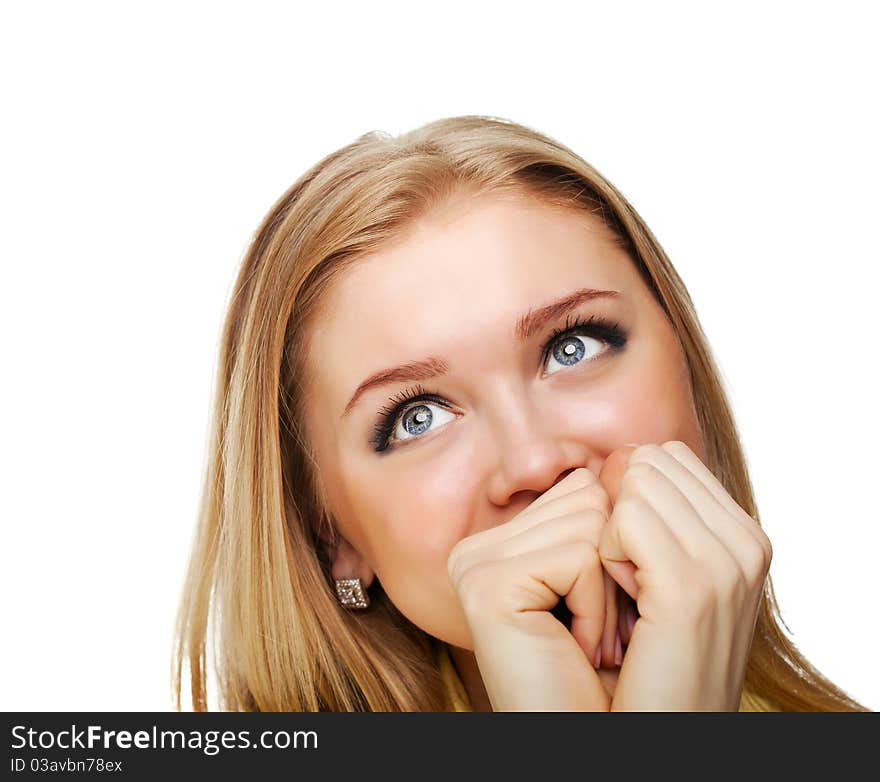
(618, 650)
(633, 444)
(597, 658)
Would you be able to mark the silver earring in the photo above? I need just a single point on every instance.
(350, 593)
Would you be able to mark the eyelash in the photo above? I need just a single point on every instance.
(607, 331)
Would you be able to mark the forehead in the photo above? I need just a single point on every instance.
(472, 266)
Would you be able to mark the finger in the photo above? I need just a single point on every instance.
(610, 630)
(613, 469)
(576, 479)
(695, 515)
(624, 574)
(626, 616)
(712, 486)
(579, 527)
(586, 493)
(588, 497)
(652, 485)
(592, 497)
(569, 570)
(583, 525)
(636, 545)
(685, 456)
(586, 601)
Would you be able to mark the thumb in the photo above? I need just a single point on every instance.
(624, 573)
(614, 560)
(613, 469)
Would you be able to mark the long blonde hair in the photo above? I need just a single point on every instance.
(259, 577)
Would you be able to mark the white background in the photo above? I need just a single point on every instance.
(143, 142)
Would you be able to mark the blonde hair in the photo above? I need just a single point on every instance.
(259, 577)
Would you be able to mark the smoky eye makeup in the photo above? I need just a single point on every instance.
(409, 405)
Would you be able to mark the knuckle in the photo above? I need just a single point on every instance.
(759, 546)
(598, 499)
(756, 560)
(579, 478)
(591, 519)
(676, 447)
(471, 580)
(640, 474)
(592, 500)
(753, 565)
(733, 587)
(766, 545)
(581, 527)
(591, 559)
(628, 516)
(482, 593)
(453, 557)
(723, 576)
(585, 499)
(732, 583)
(767, 548)
(628, 510)
(457, 560)
(583, 475)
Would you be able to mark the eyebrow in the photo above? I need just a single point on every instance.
(526, 326)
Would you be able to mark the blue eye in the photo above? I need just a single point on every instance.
(569, 350)
(565, 346)
(569, 345)
(416, 419)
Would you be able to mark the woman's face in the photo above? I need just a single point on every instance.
(463, 307)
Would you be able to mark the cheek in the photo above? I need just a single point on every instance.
(404, 539)
(607, 423)
(409, 518)
(421, 515)
(649, 409)
(409, 514)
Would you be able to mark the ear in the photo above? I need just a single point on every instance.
(347, 562)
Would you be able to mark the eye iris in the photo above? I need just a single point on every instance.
(569, 351)
(422, 417)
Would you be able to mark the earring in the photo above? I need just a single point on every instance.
(350, 593)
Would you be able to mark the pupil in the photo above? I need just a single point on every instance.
(572, 352)
(421, 416)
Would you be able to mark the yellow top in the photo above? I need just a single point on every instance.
(456, 695)
(457, 698)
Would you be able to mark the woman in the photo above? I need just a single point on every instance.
(470, 451)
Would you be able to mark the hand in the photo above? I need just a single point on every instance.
(696, 564)
(620, 608)
(510, 577)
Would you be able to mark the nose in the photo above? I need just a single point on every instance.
(562, 475)
(532, 453)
